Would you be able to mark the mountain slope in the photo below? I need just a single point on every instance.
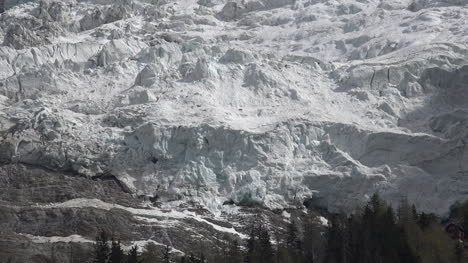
(257, 103)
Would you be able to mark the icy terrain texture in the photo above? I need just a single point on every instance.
(255, 102)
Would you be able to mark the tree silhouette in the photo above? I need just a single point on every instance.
(101, 248)
(166, 254)
(116, 254)
(133, 256)
(150, 253)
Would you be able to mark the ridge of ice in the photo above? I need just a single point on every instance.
(257, 102)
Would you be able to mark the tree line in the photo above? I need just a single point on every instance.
(375, 234)
(378, 234)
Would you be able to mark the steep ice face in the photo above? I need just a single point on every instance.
(255, 102)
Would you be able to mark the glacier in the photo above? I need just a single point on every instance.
(265, 103)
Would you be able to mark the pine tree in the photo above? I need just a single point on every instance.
(166, 257)
(388, 234)
(150, 253)
(293, 242)
(408, 222)
(313, 243)
(281, 252)
(101, 248)
(234, 252)
(464, 216)
(266, 248)
(459, 252)
(377, 236)
(116, 255)
(414, 212)
(132, 256)
(192, 258)
(220, 253)
(356, 232)
(426, 220)
(336, 245)
(405, 252)
(250, 256)
(378, 206)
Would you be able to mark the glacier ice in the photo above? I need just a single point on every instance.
(266, 103)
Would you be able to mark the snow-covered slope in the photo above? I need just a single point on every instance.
(267, 102)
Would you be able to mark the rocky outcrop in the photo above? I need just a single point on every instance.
(49, 215)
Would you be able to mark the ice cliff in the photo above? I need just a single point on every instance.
(256, 102)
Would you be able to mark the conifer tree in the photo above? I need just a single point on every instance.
(426, 220)
(220, 253)
(101, 248)
(281, 252)
(192, 258)
(266, 248)
(459, 252)
(251, 246)
(313, 243)
(234, 252)
(166, 257)
(150, 253)
(133, 256)
(336, 240)
(464, 216)
(116, 254)
(293, 242)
